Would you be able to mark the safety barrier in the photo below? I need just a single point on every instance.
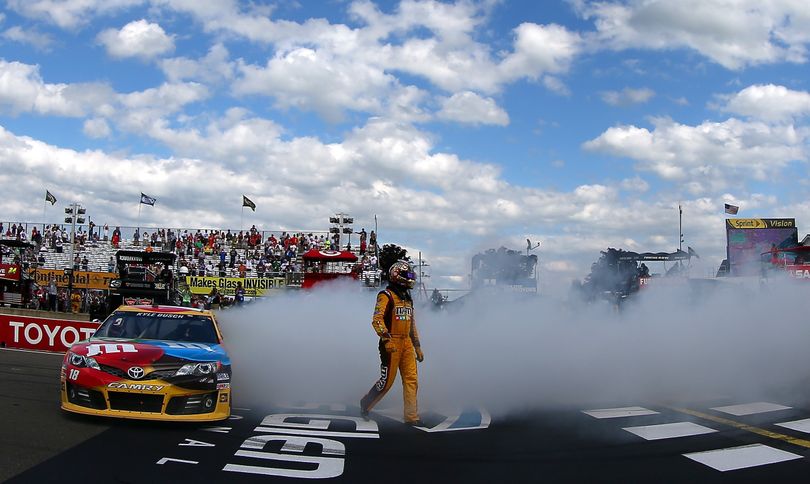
(42, 333)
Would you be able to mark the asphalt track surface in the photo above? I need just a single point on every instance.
(710, 441)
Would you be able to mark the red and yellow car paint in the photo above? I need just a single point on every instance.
(149, 379)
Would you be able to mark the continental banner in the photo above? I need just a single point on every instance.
(81, 279)
(760, 223)
(254, 286)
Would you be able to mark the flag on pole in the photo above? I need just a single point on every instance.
(246, 202)
(147, 200)
(49, 197)
(732, 209)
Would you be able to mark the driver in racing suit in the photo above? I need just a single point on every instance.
(399, 345)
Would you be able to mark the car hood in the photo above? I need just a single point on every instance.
(145, 352)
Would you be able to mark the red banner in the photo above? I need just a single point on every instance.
(10, 272)
(46, 334)
(798, 271)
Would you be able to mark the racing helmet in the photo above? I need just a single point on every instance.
(401, 274)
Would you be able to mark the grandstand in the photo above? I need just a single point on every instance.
(98, 252)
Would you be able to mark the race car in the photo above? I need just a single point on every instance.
(150, 363)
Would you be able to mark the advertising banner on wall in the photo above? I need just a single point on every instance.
(10, 272)
(45, 334)
(81, 279)
(254, 286)
(749, 238)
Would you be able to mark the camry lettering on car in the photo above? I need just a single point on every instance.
(136, 386)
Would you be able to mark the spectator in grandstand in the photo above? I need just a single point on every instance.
(36, 237)
(183, 270)
(85, 264)
(372, 241)
(53, 294)
(363, 237)
(111, 265)
(214, 299)
(233, 257)
(221, 266)
(95, 308)
(76, 262)
(106, 232)
(166, 274)
(240, 294)
(64, 303)
(116, 237)
(136, 237)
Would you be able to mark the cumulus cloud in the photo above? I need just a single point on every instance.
(470, 108)
(31, 37)
(540, 49)
(22, 89)
(69, 14)
(627, 96)
(96, 128)
(316, 81)
(708, 155)
(635, 184)
(767, 102)
(215, 67)
(139, 38)
(734, 34)
(331, 68)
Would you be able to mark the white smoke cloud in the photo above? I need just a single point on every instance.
(670, 344)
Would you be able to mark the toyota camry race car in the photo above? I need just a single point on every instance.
(152, 363)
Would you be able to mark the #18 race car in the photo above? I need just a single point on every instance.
(150, 363)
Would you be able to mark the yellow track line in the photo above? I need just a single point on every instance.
(749, 428)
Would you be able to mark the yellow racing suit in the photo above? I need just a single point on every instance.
(394, 323)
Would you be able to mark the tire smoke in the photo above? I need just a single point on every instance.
(667, 344)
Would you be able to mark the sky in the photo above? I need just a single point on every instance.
(461, 126)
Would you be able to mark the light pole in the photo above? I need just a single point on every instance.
(422, 273)
(341, 220)
(74, 214)
(529, 248)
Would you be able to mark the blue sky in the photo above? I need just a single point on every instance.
(462, 125)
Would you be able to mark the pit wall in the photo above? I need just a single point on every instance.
(43, 330)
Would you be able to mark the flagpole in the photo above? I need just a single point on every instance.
(242, 219)
(680, 227)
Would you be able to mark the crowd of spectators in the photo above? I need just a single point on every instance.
(201, 252)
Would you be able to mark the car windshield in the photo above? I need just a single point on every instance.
(160, 326)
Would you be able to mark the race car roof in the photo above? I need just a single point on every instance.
(164, 309)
